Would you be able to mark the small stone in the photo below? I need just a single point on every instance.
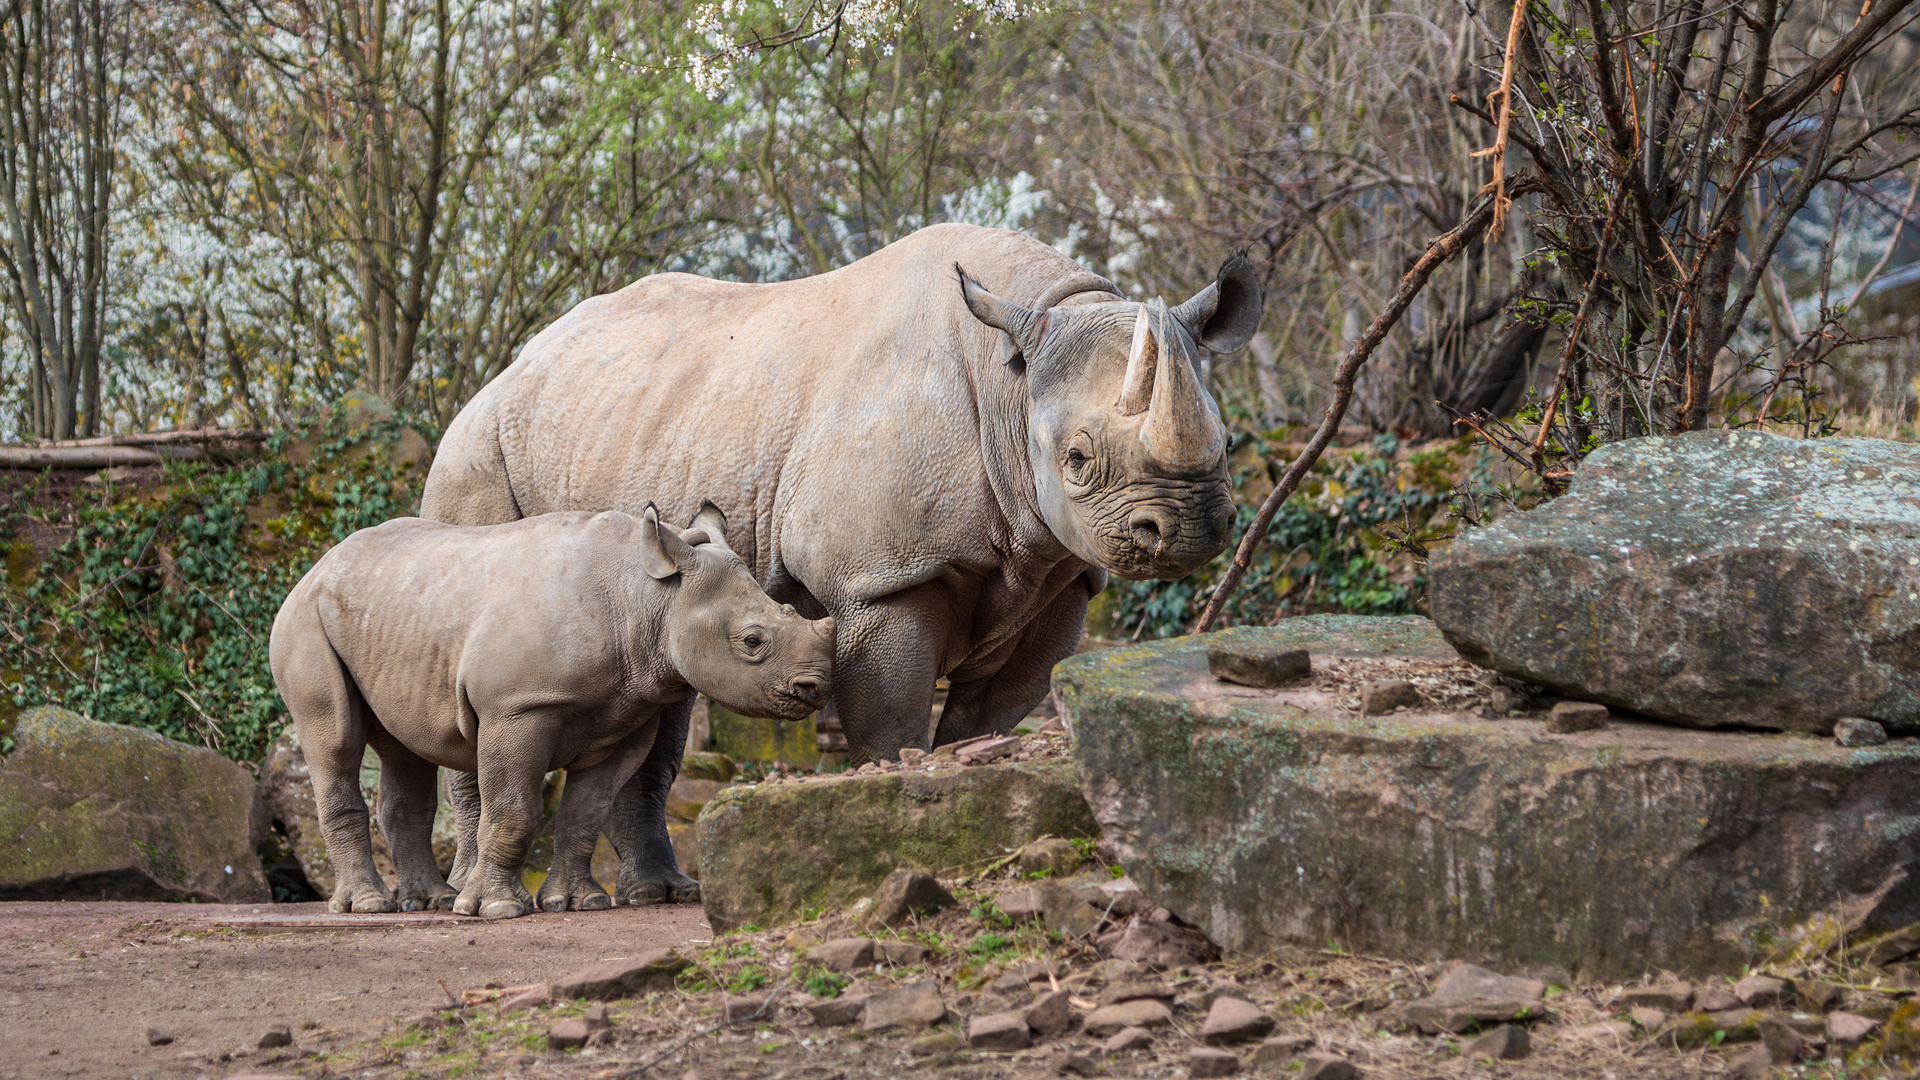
(933, 1044)
(1846, 1029)
(1232, 1021)
(596, 1017)
(980, 753)
(1716, 999)
(915, 1005)
(998, 1031)
(1386, 695)
(1051, 1013)
(1131, 1038)
(1134, 991)
(1504, 1043)
(1761, 991)
(1064, 913)
(1501, 701)
(1049, 855)
(1783, 1043)
(740, 1008)
(899, 953)
(906, 893)
(912, 755)
(1818, 996)
(1647, 1016)
(1569, 717)
(1145, 1013)
(1606, 1031)
(276, 1035)
(1753, 1063)
(528, 998)
(1013, 984)
(1854, 731)
(568, 1034)
(1327, 1067)
(1468, 981)
(1203, 1061)
(1281, 1049)
(835, 1012)
(1020, 905)
(1078, 1065)
(1258, 664)
(844, 954)
(616, 979)
(159, 1036)
(1668, 997)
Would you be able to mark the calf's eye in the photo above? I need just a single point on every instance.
(753, 641)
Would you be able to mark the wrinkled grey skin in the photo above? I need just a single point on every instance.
(557, 642)
(1002, 450)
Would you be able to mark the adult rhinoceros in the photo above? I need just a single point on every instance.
(946, 445)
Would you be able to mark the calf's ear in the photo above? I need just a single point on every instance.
(1224, 315)
(711, 523)
(1024, 328)
(662, 552)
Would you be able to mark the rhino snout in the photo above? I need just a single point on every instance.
(811, 689)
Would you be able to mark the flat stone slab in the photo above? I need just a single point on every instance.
(1283, 816)
(771, 852)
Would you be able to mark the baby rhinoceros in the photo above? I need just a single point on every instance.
(553, 642)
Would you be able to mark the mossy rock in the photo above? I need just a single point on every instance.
(771, 853)
(95, 811)
(1285, 817)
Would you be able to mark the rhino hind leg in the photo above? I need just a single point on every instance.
(997, 702)
(636, 824)
(584, 805)
(463, 795)
(408, 798)
(333, 722)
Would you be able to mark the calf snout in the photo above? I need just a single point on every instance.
(811, 689)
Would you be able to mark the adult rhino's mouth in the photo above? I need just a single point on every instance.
(1155, 540)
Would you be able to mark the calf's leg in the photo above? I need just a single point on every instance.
(636, 823)
(463, 795)
(333, 722)
(583, 810)
(408, 799)
(513, 754)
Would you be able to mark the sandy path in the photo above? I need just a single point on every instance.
(81, 982)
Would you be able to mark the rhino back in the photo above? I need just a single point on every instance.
(431, 619)
(857, 428)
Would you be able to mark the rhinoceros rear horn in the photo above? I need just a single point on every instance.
(1024, 328)
(662, 552)
(711, 523)
(1224, 315)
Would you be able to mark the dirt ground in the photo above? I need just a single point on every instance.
(80, 983)
(83, 982)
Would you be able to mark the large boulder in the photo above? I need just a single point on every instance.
(771, 852)
(1287, 816)
(94, 811)
(1713, 579)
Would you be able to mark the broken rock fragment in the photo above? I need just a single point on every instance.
(1203, 1061)
(915, 1005)
(1233, 1021)
(999, 1031)
(906, 893)
(1257, 663)
(1143, 1013)
(613, 980)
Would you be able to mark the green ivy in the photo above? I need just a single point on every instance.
(157, 610)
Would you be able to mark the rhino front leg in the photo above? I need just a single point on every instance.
(887, 656)
(996, 702)
(463, 795)
(408, 798)
(512, 769)
(637, 823)
(583, 810)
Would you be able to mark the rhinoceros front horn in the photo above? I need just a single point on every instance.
(1181, 433)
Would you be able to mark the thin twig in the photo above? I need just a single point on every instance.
(1498, 186)
(1439, 250)
(1539, 449)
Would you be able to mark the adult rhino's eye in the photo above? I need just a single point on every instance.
(1075, 458)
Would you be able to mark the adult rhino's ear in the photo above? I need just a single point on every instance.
(1024, 328)
(662, 552)
(711, 524)
(1224, 315)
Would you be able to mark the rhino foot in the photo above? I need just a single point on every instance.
(663, 889)
(362, 900)
(585, 895)
(435, 897)
(503, 909)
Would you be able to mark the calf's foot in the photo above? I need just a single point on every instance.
(362, 899)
